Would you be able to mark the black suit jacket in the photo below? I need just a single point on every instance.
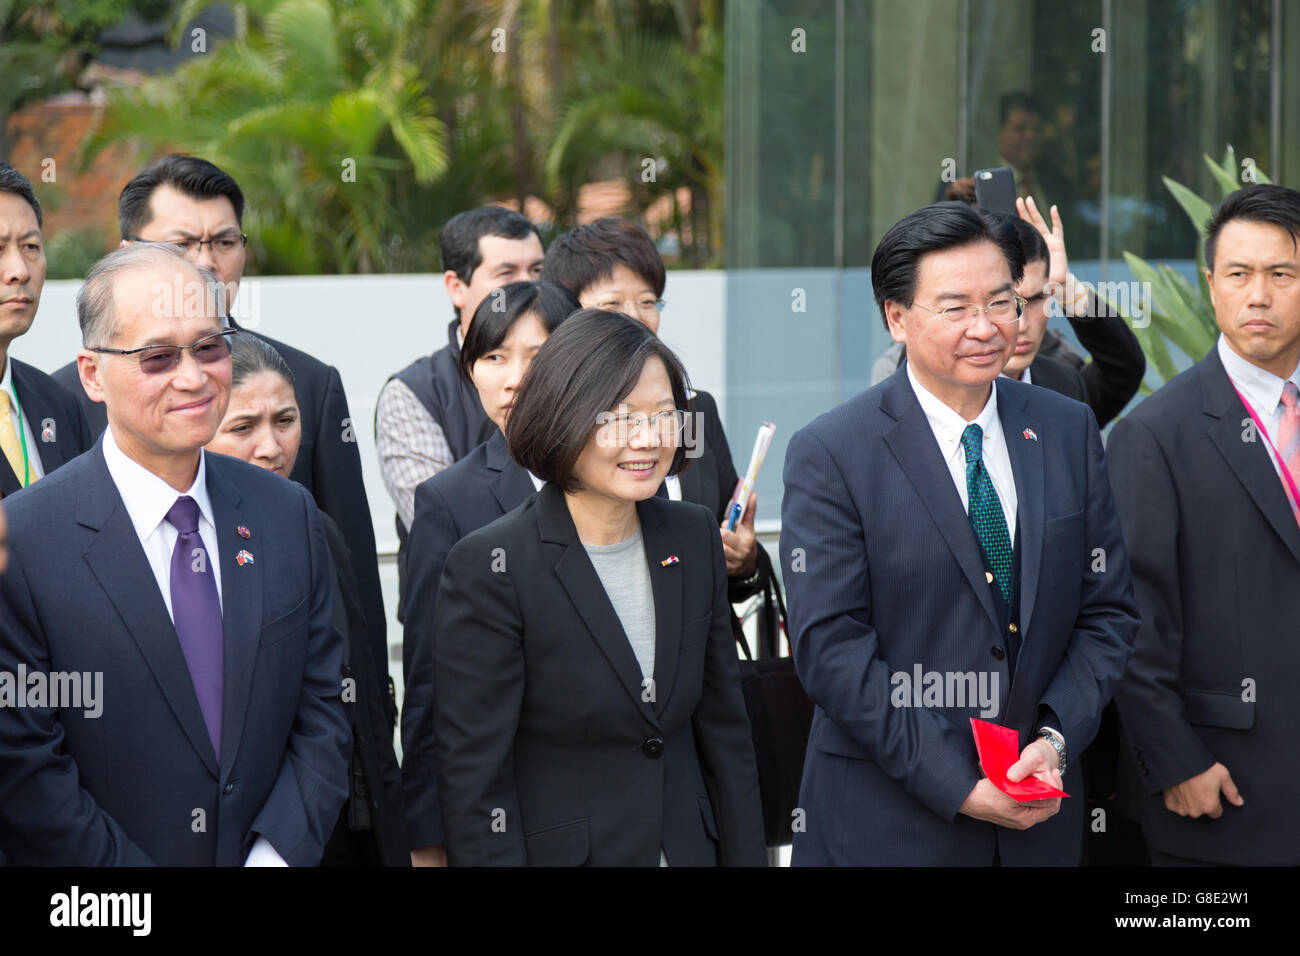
(550, 748)
(1114, 374)
(56, 420)
(140, 783)
(328, 465)
(1216, 563)
(472, 493)
(374, 777)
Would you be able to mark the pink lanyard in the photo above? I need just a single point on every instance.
(1286, 472)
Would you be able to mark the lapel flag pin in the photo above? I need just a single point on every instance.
(243, 531)
(243, 558)
(671, 559)
(1030, 434)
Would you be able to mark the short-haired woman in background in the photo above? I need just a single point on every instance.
(587, 696)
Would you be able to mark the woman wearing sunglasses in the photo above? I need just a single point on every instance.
(587, 700)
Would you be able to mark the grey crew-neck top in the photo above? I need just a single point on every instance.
(623, 572)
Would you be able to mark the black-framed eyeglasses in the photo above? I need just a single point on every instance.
(220, 245)
(1001, 311)
(158, 359)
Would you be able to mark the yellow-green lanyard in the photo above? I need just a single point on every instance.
(22, 436)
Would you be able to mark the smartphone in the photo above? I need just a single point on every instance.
(995, 190)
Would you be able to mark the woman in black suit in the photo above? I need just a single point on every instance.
(263, 426)
(587, 697)
(508, 328)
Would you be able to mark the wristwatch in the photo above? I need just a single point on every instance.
(1058, 744)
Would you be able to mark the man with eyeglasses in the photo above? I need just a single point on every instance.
(194, 591)
(189, 203)
(951, 551)
(41, 426)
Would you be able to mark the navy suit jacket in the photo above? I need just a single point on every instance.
(140, 783)
(328, 465)
(884, 572)
(56, 420)
(1216, 564)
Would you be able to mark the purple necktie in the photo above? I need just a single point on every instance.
(197, 613)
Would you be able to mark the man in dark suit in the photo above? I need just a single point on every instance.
(41, 426)
(1111, 378)
(196, 206)
(943, 526)
(1206, 474)
(179, 602)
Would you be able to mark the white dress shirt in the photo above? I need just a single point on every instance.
(948, 426)
(1262, 389)
(33, 453)
(148, 499)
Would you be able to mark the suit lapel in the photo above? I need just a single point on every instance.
(119, 564)
(241, 603)
(36, 408)
(912, 441)
(510, 484)
(581, 583)
(1027, 470)
(1249, 460)
(666, 582)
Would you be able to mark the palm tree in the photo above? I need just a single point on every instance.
(318, 113)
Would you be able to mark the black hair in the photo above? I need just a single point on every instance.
(250, 355)
(936, 228)
(502, 308)
(584, 256)
(1264, 203)
(12, 181)
(459, 236)
(1017, 100)
(591, 363)
(1031, 241)
(196, 178)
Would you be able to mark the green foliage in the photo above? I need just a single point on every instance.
(1180, 311)
(440, 111)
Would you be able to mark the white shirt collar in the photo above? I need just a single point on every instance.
(147, 497)
(947, 424)
(5, 383)
(1262, 388)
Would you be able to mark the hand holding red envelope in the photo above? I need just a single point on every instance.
(998, 748)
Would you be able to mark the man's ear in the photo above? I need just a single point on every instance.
(455, 288)
(894, 318)
(1209, 282)
(89, 372)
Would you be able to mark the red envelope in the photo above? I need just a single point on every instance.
(998, 748)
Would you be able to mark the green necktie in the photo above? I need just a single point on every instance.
(986, 510)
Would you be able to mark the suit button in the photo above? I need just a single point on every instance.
(653, 747)
(228, 788)
(998, 653)
(1013, 627)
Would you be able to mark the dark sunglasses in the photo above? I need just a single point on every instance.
(158, 359)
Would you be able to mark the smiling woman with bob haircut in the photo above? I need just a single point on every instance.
(587, 696)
